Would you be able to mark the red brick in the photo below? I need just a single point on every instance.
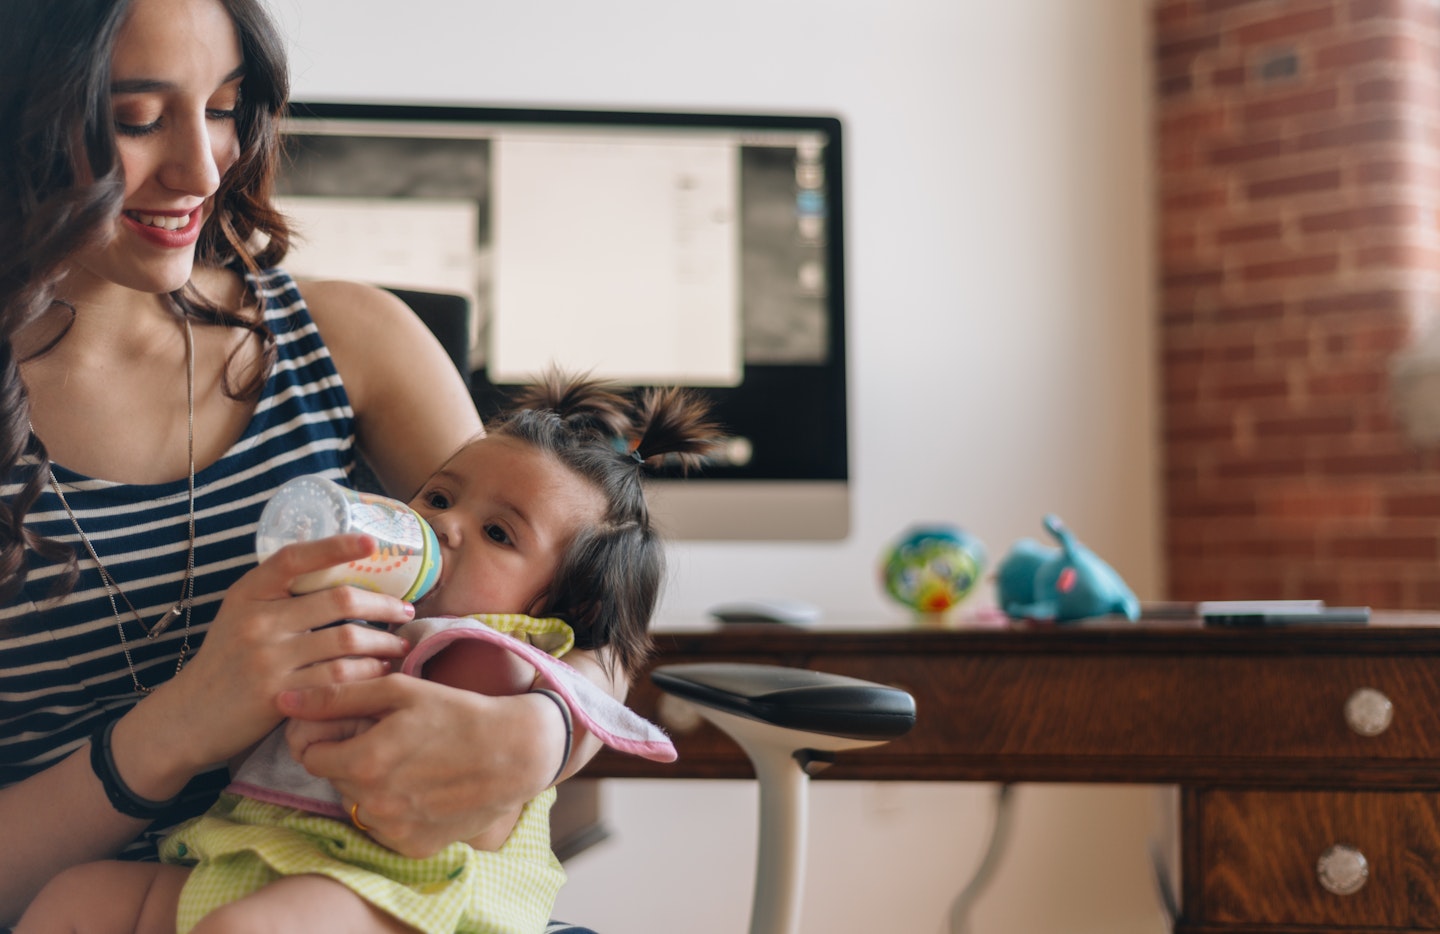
(1331, 382)
(1242, 153)
(1382, 547)
(1374, 588)
(1396, 171)
(1183, 49)
(1317, 100)
(1276, 547)
(1424, 595)
(1383, 130)
(1261, 468)
(1170, 14)
(1377, 464)
(1417, 13)
(1404, 256)
(1413, 504)
(1319, 265)
(1233, 504)
(1302, 425)
(1178, 247)
(1291, 349)
(1250, 389)
(1174, 85)
(1331, 500)
(1198, 120)
(1229, 76)
(1288, 26)
(1326, 180)
(1193, 278)
(1210, 7)
(1364, 51)
(1368, 302)
(1198, 199)
(1209, 433)
(1362, 218)
(1410, 91)
(1248, 233)
(1250, 311)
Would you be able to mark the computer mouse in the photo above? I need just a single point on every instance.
(767, 610)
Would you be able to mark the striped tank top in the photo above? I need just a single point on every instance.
(63, 671)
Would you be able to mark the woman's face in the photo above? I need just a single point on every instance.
(175, 86)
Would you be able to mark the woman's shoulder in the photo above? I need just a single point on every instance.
(347, 304)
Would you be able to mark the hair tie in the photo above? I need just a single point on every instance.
(639, 458)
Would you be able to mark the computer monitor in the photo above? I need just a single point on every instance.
(651, 248)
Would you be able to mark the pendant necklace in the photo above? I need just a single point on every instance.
(183, 606)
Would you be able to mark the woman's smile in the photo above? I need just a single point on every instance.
(170, 229)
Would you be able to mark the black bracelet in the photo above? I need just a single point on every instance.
(121, 797)
(569, 728)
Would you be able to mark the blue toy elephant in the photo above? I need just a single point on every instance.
(1062, 584)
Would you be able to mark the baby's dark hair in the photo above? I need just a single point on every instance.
(609, 578)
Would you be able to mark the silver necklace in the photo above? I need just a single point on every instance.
(183, 606)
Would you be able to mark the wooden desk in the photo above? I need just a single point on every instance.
(1251, 724)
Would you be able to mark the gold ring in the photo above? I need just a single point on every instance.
(355, 818)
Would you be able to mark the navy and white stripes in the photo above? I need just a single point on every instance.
(62, 671)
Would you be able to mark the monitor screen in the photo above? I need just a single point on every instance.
(650, 248)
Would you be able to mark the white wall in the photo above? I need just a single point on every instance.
(1002, 346)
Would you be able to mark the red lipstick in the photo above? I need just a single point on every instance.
(180, 237)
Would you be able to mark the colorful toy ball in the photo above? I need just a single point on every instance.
(932, 568)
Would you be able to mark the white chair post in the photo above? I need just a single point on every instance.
(784, 812)
(787, 721)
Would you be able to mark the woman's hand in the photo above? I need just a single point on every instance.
(263, 641)
(438, 765)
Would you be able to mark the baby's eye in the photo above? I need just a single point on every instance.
(435, 499)
(497, 534)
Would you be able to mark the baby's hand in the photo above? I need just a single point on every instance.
(300, 735)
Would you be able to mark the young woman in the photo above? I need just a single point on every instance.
(158, 380)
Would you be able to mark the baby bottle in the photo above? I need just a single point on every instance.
(406, 561)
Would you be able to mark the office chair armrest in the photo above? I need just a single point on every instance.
(796, 699)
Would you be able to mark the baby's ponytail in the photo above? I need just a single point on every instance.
(674, 425)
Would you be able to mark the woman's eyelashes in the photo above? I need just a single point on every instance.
(135, 125)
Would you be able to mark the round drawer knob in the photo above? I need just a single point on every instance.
(1368, 712)
(1342, 869)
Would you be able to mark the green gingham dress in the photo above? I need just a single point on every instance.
(242, 844)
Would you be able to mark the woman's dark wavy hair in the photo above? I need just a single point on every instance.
(61, 185)
(609, 578)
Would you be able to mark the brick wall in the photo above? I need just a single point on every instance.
(1298, 177)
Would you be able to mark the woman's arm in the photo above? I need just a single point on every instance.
(412, 410)
(260, 644)
(441, 764)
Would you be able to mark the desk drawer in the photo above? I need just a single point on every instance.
(1166, 706)
(1092, 716)
(1256, 855)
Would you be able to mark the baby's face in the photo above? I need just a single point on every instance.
(504, 513)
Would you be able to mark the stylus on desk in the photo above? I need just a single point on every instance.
(1325, 615)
